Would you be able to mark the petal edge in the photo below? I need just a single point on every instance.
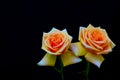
(69, 58)
(47, 60)
(78, 49)
(95, 59)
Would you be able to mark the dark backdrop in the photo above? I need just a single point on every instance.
(22, 26)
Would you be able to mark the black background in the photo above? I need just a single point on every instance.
(23, 23)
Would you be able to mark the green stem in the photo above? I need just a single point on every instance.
(61, 68)
(87, 70)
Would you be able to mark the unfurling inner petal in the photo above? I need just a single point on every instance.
(55, 41)
(83, 37)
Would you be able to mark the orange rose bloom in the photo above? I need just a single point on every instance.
(56, 43)
(94, 42)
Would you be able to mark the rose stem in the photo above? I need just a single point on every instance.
(87, 70)
(61, 68)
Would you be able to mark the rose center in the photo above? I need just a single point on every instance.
(97, 35)
(55, 39)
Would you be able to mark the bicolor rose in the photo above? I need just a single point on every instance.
(94, 42)
(56, 43)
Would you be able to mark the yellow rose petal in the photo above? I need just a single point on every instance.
(44, 47)
(111, 42)
(78, 49)
(90, 26)
(95, 59)
(47, 60)
(105, 51)
(80, 32)
(66, 33)
(69, 58)
(53, 30)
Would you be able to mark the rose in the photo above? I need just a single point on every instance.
(94, 42)
(56, 43)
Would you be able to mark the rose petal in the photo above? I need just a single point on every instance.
(47, 60)
(46, 38)
(105, 51)
(44, 47)
(87, 46)
(93, 43)
(63, 48)
(90, 26)
(66, 33)
(66, 44)
(44, 44)
(111, 42)
(53, 30)
(66, 41)
(81, 31)
(69, 58)
(78, 49)
(88, 40)
(95, 59)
